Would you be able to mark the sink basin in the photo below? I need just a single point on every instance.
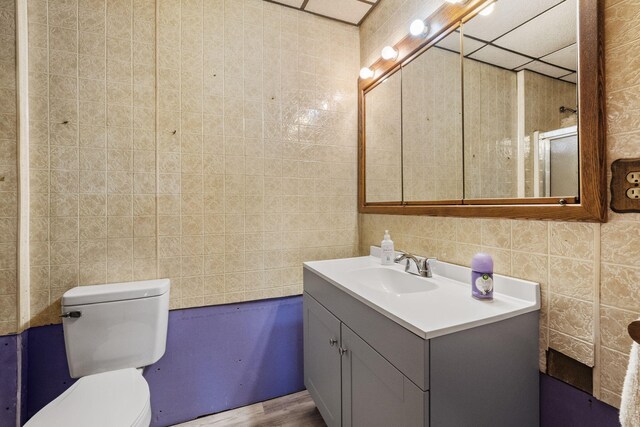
(391, 281)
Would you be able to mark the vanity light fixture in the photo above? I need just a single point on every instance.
(488, 9)
(366, 73)
(389, 53)
(418, 28)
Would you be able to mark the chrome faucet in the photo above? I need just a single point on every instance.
(423, 267)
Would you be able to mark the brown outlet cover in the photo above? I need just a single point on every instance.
(619, 185)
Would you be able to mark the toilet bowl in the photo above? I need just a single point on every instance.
(110, 333)
(110, 399)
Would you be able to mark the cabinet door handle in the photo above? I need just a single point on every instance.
(333, 341)
(342, 351)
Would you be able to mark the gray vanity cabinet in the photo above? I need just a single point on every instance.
(350, 382)
(364, 369)
(322, 360)
(374, 392)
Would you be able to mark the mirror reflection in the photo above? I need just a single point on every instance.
(383, 136)
(432, 124)
(520, 100)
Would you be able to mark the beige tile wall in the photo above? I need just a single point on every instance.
(567, 259)
(92, 147)
(490, 131)
(260, 174)
(432, 127)
(8, 172)
(240, 165)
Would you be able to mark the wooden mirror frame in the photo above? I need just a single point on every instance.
(591, 205)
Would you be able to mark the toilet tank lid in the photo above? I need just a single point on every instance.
(115, 292)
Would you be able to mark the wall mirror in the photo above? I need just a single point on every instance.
(496, 111)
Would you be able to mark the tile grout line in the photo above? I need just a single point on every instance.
(132, 150)
(157, 132)
(106, 143)
(597, 386)
(548, 295)
(77, 214)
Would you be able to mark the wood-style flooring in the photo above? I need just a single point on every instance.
(294, 410)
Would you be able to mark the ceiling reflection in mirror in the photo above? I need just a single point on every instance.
(520, 101)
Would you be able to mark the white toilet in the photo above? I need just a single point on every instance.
(110, 333)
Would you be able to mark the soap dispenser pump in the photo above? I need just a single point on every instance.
(388, 253)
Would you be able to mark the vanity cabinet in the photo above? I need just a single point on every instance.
(350, 382)
(322, 360)
(364, 369)
(374, 392)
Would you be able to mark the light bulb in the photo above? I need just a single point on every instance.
(488, 9)
(389, 53)
(418, 28)
(366, 73)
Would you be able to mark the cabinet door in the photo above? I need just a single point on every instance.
(374, 392)
(322, 359)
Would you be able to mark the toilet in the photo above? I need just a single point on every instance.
(110, 332)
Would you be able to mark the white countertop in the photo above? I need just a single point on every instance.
(445, 308)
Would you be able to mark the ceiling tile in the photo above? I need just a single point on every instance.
(573, 78)
(567, 57)
(499, 57)
(451, 42)
(345, 10)
(292, 3)
(507, 15)
(547, 33)
(542, 68)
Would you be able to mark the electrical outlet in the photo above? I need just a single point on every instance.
(625, 185)
(633, 193)
(633, 177)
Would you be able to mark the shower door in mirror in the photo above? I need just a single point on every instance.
(520, 93)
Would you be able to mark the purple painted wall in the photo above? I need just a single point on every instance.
(223, 357)
(562, 405)
(8, 379)
(217, 358)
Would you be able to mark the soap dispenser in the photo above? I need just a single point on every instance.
(388, 253)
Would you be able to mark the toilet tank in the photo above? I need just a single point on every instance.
(115, 326)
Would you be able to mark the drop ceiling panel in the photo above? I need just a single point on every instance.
(507, 15)
(351, 11)
(500, 57)
(549, 32)
(452, 43)
(546, 69)
(573, 78)
(567, 57)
